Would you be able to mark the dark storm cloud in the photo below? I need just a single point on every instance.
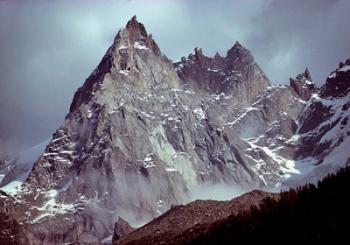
(290, 35)
(47, 49)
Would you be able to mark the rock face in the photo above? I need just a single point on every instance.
(303, 85)
(9, 227)
(324, 130)
(338, 83)
(236, 74)
(121, 228)
(142, 131)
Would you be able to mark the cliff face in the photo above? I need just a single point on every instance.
(236, 74)
(303, 85)
(324, 129)
(142, 131)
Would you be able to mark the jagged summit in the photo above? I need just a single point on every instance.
(307, 74)
(338, 83)
(303, 85)
(142, 132)
(238, 57)
(121, 59)
(237, 45)
(217, 56)
(137, 33)
(238, 50)
(136, 29)
(237, 73)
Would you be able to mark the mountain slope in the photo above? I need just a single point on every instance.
(143, 131)
(322, 137)
(135, 140)
(171, 226)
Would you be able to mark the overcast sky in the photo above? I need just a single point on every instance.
(48, 48)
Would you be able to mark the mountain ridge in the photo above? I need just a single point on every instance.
(142, 131)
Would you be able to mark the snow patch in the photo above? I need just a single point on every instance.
(200, 115)
(176, 90)
(25, 162)
(123, 46)
(107, 239)
(345, 68)
(13, 187)
(306, 81)
(240, 117)
(179, 67)
(124, 72)
(333, 75)
(160, 207)
(148, 158)
(89, 113)
(213, 70)
(171, 169)
(51, 207)
(189, 92)
(138, 45)
(148, 161)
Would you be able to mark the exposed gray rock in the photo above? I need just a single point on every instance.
(142, 131)
(121, 228)
(338, 83)
(236, 74)
(136, 139)
(303, 85)
(324, 121)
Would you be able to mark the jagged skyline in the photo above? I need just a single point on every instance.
(144, 134)
(40, 75)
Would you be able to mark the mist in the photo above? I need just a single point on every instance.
(48, 48)
(218, 191)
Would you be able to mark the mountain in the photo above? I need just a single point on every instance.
(236, 75)
(322, 137)
(143, 131)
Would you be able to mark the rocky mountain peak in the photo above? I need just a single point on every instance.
(142, 132)
(238, 51)
(238, 57)
(200, 57)
(303, 85)
(237, 46)
(198, 52)
(236, 74)
(137, 35)
(217, 57)
(129, 51)
(338, 83)
(305, 77)
(307, 74)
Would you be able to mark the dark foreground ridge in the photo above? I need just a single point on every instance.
(309, 213)
(183, 219)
